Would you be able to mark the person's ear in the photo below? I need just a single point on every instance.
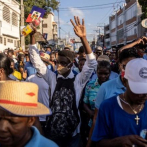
(125, 82)
(31, 121)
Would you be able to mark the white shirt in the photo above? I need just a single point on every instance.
(80, 80)
(43, 93)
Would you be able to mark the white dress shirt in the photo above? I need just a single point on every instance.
(80, 80)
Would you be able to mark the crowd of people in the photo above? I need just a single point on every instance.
(93, 98)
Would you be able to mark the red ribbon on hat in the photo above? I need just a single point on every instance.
(18, 103)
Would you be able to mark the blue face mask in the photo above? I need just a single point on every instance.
(48, 52)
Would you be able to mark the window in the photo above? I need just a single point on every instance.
(120, 22)
(15, 43)
(14, 19)
(10, 40)
(135, 31)
(4, 41)
(6, 14)
(1, 40)
(18, 44)
(44, 25)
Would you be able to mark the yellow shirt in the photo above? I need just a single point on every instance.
(17, 75)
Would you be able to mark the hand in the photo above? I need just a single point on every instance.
(24, 74)
(34, 29)
(91, 113)
(129, 141)
(140, 41)
(144, 39)
(79, 29)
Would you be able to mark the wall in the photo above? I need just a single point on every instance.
(7, 30)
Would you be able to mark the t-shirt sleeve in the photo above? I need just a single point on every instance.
(100, 97)
(102, 126)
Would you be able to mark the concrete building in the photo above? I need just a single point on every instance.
(9, 24)
(107, 43)
(125, 25)
(49, 29)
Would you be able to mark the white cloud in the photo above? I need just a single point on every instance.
(76, 12)
(62, 22)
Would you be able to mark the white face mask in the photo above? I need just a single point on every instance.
(62, 70)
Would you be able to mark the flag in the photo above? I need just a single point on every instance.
(36, 14)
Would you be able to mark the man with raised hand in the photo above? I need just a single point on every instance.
(66, 89)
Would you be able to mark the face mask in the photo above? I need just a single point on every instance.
(48, 52)
(123, 74)
(140, 53)
(62, 70)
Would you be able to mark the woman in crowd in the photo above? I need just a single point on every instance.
(5, 69)
(103, 73)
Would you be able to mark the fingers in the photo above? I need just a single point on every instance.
(83, 22)
(141, 139)
(76, 20)
(72, 23)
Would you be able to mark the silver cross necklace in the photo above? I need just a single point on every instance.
(134, 110)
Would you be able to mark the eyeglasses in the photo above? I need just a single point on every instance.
(62, 63)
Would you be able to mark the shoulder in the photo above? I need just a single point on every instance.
(109, 83)
(47, 143)
(90, 83)
(31, 77)
(108, 103)
(16, 72)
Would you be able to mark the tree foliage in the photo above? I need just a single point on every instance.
(48, 5)
(143, 4)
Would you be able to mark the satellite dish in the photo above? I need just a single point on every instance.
(144, 23)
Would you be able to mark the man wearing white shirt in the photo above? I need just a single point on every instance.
(65, 74)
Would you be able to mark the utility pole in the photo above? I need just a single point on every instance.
(59, 23)
(22, 24)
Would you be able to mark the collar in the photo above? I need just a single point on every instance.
(119, 83)
(70, 76)
(35, 140)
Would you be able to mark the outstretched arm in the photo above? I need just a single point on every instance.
(91, 62)
(80, 31)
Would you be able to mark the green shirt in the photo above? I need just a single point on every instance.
(90, 93)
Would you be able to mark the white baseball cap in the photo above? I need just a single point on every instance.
(136, 74)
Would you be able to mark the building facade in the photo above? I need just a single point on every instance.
(107, 43)
(125, 25)
(9, 24)
(49, 29)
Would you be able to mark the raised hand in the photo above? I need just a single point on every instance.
(79, 28)
(144, 39)
(24, 74)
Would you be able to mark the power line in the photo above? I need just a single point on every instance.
(94, 5)
(88, 8)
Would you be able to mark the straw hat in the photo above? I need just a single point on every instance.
(103, 58)
(21, 98)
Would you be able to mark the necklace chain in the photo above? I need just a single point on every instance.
(134, 110)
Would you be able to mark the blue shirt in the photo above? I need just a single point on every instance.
(109, 89)
(38, 140)
(30, 69)
(113, 121)
(112, 76)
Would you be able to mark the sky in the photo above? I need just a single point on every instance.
(94, 16)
